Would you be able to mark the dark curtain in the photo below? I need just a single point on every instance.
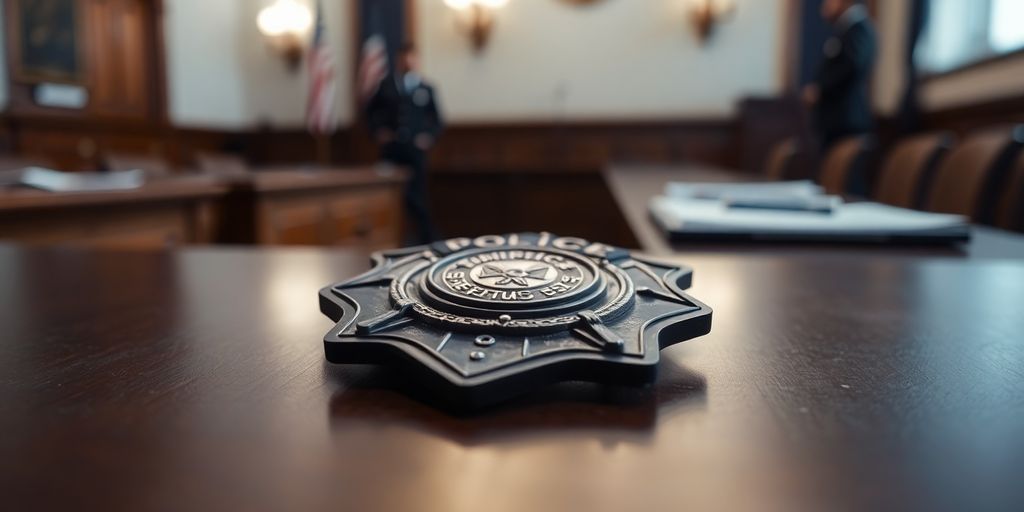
(814, 31)
(909, 114)
(386, 18)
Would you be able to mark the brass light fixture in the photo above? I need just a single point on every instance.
(285, 24)
(706, 15)
(476, 17)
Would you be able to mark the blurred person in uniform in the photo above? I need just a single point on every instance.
(405, 121)
(839, 95)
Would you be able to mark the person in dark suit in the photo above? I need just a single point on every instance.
(839, 94)
(406, 121)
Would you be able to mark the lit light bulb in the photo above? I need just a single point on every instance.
(458, 5)
(461, 5)
(284, 17)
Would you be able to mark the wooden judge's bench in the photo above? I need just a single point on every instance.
(359, 208)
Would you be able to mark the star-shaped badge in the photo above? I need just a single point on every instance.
(481, 320)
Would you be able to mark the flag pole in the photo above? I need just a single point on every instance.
(320, 113)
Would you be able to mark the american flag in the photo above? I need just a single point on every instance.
(373, 66)
(321, 117)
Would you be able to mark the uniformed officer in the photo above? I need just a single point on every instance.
(406, 122)
(839, 95)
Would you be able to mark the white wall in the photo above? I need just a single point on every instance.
(4, 94)
(221, 74)
(549, 60)
(889, 79)
(985, 83)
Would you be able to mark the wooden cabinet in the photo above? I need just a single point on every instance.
(118, 47)
(346, 207)
(118, 50)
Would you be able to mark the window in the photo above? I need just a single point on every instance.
(963, 32)
(1007, 27)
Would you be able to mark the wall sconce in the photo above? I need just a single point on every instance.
(707, 14)
(285, 24)
(477, 17)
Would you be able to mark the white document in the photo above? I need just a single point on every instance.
(712, 216)
(681, 190)
(57, 181)
(61, 96)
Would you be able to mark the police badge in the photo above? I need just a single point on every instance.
(481, 320)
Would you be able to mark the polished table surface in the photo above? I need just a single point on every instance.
(634, 185)
(195, 380)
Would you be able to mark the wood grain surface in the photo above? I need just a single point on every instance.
(195, 380)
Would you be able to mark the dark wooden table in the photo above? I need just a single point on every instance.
(633, 186)
(195, 380)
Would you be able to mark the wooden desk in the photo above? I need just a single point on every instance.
(195, 380)
(634, 186)
(349, 207)
(162, 213)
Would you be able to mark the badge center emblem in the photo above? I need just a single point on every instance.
(526, 278)
(512, 275)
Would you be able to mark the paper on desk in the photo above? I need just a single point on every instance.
(852, 218)
(56, 181)
(682, 190)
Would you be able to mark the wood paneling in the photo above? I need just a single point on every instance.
(118, 50)
(765, 122)
(81, 143)
(525, 174)
(582, 146)
(489, 178)
(567, 203)
(963, 119)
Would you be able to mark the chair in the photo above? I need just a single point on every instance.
(967, 181)
(783, 160)
(844, 170)
(221, 164)
(909, 169)
(152, 166)
(1010, 209)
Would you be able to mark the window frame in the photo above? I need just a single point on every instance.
(981, 61)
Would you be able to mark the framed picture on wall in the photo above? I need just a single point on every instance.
(45, 41)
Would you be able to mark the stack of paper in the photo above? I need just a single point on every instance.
(56, 181)
(709, 211)
(725, 190)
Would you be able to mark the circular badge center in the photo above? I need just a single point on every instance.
(513, 276)
(516, 278)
